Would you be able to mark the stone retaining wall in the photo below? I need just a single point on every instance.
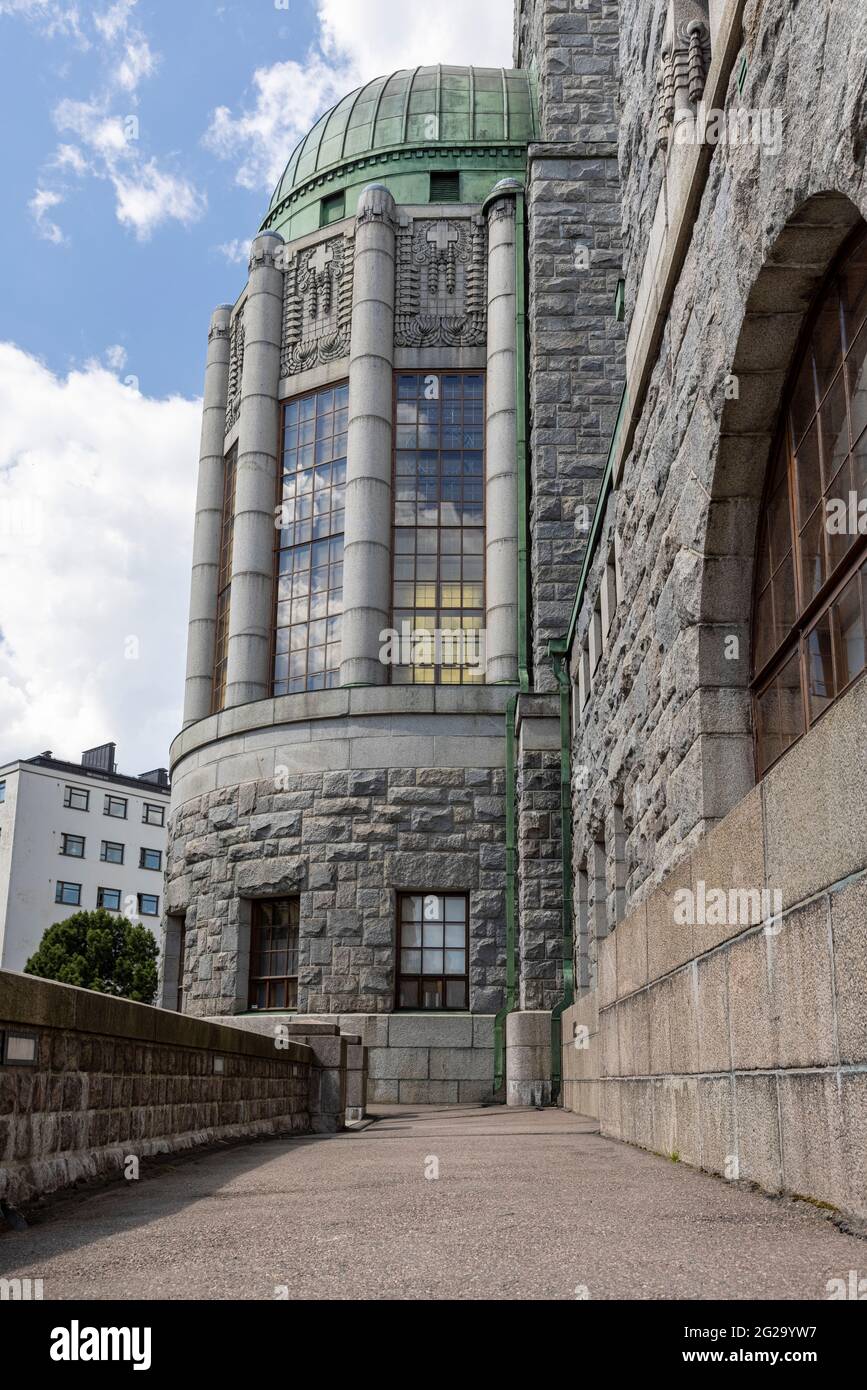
(742, 1047)
(113, 1079)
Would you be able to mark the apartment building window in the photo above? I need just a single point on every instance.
(111, 852)
(2, 791)
(76, 799)
(274, 954)
(68, 893)
(151, 859)
(109, 898)
(433, 948)
(115, 806)
(153, 815)
(148, 905)
(72, 845)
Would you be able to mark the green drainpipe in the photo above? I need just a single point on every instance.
(558, 651)
(523, 647)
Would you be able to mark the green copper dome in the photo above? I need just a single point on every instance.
(472, 123)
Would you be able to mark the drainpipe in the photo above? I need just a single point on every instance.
(523, 648)
(559, 654)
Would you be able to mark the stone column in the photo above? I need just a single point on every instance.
(369, 506)
(248, 675)
(501, 483)
(209, 510)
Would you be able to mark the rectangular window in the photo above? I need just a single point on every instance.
(148, 905)
(111, 852)
(274, 954)
(153, 815)
(439, 529)
(332, 209)
(309, 554)
(76, 799)
(151, 859)
(109, 898)
(433, 947)
(445, 187)
(73, 845)
(2, 792)
(224, 582)
(115, 806)
(68, 893)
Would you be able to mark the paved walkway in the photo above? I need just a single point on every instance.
(527, 1205)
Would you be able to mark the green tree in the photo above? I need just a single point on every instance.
(102, 951)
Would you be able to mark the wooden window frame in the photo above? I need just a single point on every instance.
(809, 612)
(290, 979)
(400, 977)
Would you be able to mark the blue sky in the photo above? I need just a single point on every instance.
(142, 140)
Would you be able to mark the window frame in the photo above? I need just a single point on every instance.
(104, 846)
(293, 901)
(2, 791)
(454, 618)
(809, 614)
(151, 868)
(64, 837)
(100, 904)
(279, 499)
(59, 900)
(153, 806)
(121, 800)
(140, 898)
(399, 974)
(69, 792)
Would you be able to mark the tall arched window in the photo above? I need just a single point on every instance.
(810, 604)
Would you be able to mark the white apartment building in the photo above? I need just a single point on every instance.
(77, 836)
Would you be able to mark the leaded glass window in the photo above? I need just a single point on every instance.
(810, 605)
(439, 528)
(310, 542)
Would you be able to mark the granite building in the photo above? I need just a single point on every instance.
(523, 711)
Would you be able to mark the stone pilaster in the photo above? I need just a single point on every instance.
(501, 496)
(206, 537)
(369, 505)
(250, 617)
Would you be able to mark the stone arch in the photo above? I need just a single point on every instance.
(775, 313)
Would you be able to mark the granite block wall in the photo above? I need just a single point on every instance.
(347, 842)
(112, 1079)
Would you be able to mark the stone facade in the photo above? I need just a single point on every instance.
(575, 364)
(346, 842)
(112, 1079)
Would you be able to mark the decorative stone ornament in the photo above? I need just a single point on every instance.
(317, 305)
(683, 70)
(441, 282)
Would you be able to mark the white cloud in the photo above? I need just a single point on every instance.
(146, 195)
(48, 17)
(115, 356)
(149, 196)
(355, 43)
(97, 487)
(237, 252)
(43, 200)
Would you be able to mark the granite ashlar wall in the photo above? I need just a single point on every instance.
(113, 1079)
(666, 733)
(742, 1048)
(575, 359)
(347, 842)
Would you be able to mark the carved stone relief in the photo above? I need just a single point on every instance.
(441, 282)
(683, 68)
(317, 305)
(236, 367)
